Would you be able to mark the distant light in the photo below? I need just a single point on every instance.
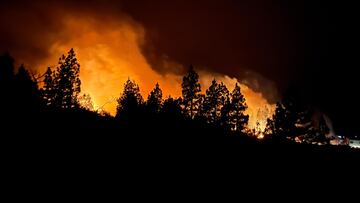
(354, 143)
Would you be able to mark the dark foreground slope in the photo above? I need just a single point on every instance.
(85, 137)
(62, 153)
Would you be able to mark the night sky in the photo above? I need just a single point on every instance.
(272, 46)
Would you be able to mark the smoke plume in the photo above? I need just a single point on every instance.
(114, 42)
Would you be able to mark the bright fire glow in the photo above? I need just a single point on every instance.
(259, 110)
(110, 53)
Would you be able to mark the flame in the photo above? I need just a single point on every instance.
(259, 110)
(110, 53)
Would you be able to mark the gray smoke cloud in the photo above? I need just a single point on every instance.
(252, 41)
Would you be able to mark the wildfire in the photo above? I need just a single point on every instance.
(259, 110)
(110, 53)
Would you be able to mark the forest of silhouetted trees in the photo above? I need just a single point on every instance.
(49, 110)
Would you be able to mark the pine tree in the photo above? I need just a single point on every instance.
(47, 91)
(67, 82)
(215, 99)
(26, 91)
(154, 101)
(274, 126)
(238, 119)
(287, 119)
(191, 92)
(171, 107)
(225, 121)
(203, 108)
(130, 100)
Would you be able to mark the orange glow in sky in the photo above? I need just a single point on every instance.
(110, 52)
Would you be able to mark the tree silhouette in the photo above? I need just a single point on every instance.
(48, 90)
(85, 102)
(171, 112)
(275, 125)
(19, 92)
(288, 116)
(191, 92)
(154, 101)
(27, 93)
(225, 116)
(215, 99)
(237, 119)
(67, 82)
(165, 133)
(130, 100)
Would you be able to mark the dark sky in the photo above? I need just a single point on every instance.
(298, 45)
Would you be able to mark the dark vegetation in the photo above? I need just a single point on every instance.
(41, 119)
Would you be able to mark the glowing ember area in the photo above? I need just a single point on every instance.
(259, 110)
(110, 53)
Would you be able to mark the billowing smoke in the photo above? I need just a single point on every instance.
(113, 43)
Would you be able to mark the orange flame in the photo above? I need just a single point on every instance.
(110, 53)
(259, 110)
